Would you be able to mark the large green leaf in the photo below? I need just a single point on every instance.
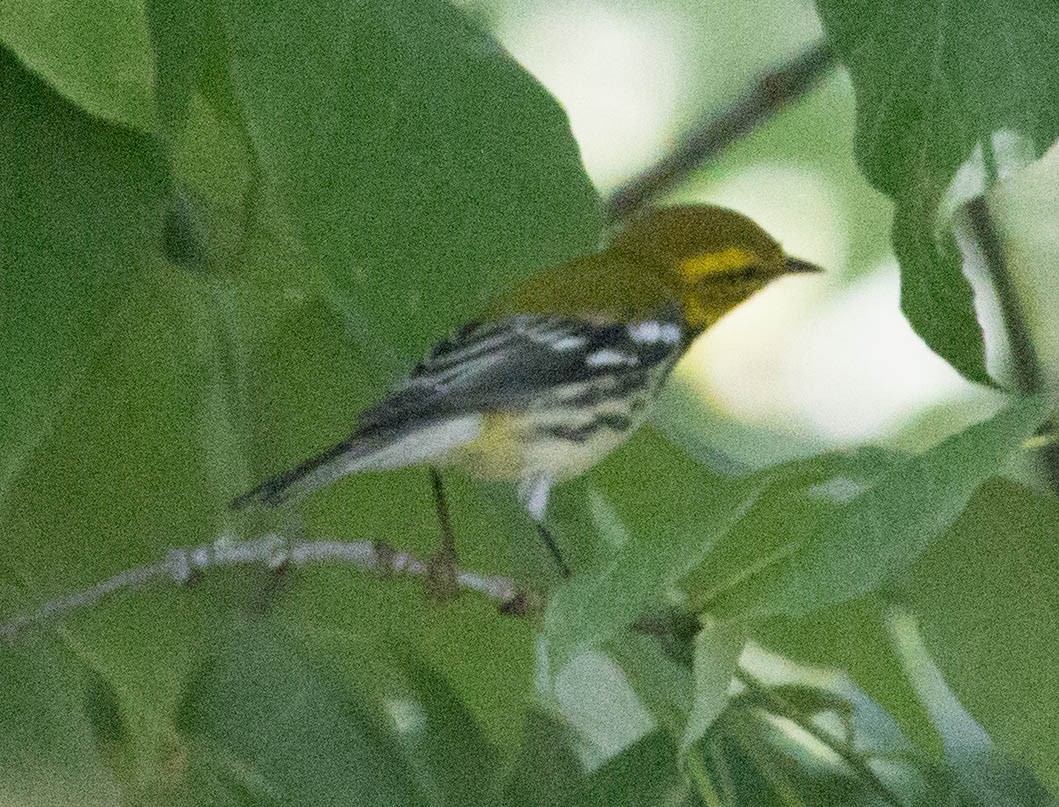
(48, 747)
(984, 775)
(859, 546)
(96, 54)
(933, 80)
(423, 167)
(644, 775)
(82, 205)
(717, 649)
(987, 602)
(264, 725)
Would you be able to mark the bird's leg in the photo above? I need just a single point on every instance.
(546, 536)
(442, 571)
(533, 493)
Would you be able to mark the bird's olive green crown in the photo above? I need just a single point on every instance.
(699, 259)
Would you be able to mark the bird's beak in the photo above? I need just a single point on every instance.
(796, 265)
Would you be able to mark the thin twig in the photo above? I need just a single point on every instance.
(181, 566)
(713, 133)
(1029, 378)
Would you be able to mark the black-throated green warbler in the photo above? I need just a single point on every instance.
(564, 368)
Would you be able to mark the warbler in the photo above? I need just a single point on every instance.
(563, 369)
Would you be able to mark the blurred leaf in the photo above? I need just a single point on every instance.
(82, 208)
(423, 167)
(461, 762)
(879, 532)
(717, 649)
(96, 54)
(644, 775)
(800, 495)
(986, 777)
(963, 71)
(265, 725)
(798, 735)
(190, 55)
(595, 697)
(851, 636)
(987, 602)
(677, 510)
(484, 657)
(665, 686)
(48, 754)
(547, 770)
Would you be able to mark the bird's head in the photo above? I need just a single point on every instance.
(712, 258)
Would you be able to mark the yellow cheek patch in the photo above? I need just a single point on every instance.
(694, 269)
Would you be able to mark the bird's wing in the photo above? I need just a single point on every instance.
(509, 364)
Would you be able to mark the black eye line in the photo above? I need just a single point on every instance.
(747, 272)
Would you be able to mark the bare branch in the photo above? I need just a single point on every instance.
(715, 132)
(181, 566)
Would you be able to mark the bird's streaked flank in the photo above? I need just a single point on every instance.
(562, 370)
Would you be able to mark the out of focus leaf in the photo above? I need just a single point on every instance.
(265, 725)
(547, 770)
(717, 649)
(676, 510)
(883, 530)
(985, 776)
(96, 54)
(49, 751)
(82, 205)
(644, 775)
(987, 602)
(423, 168)
(933, 81)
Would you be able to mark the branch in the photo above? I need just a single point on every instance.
(713, 133)
(1026, 364)
(184, 565)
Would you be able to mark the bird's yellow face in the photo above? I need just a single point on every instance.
(714, 258)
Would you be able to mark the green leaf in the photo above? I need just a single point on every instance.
(717, 649)
(985, 775)
(461, 762)
(82, 205)
(678, 510)
(987, 602)
(423, 168)
(861, 545)
(265, 725)
(47, 746)
(547, 770)
(96, 54)
(665, 686)
(933, 81)
(851, 636)
(644, 775)
(190, 55)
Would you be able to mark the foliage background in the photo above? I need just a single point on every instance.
(226, 227)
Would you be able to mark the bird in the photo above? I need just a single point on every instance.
(557, 373)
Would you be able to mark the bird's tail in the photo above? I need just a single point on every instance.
(376, 450)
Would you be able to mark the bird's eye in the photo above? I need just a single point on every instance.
(749, 273)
